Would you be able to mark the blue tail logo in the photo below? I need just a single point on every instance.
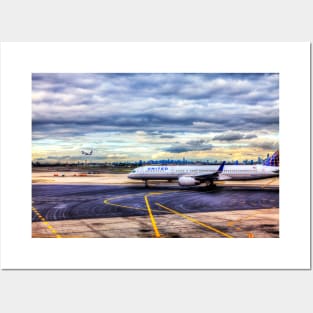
(220, 169)
(272, 160)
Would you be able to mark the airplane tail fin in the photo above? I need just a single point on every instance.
(220, 169)
(272, 160)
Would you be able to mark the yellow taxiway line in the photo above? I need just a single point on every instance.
(122, 206)
(42, 219)
(108, 201)
(155, 228)
(194, 220)
(153, 222)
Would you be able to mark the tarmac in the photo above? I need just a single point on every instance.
(127, 210)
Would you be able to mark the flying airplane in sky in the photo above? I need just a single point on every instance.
(192, 175)
(87, 153)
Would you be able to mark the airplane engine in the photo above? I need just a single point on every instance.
(188, 181)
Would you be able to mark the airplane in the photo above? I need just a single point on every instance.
(192, 175)
(87, 153)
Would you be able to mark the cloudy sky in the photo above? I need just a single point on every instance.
(130, 117)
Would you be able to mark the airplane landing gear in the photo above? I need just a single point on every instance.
(146, 184)
(210, 185)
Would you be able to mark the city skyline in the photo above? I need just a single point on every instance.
(129, 117)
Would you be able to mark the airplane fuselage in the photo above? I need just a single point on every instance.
(230, 172)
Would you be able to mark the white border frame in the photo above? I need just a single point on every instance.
(20, 251)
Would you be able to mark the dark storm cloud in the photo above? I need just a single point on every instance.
(167, 136)
(250, 136)
(192, 145)
(153, 121)
(78, 104)
(267, 145)
(233, 136)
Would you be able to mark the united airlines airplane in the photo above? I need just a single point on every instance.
(192, 175)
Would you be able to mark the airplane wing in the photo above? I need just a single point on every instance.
(211, 176)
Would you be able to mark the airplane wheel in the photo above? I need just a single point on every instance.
(211, 186)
